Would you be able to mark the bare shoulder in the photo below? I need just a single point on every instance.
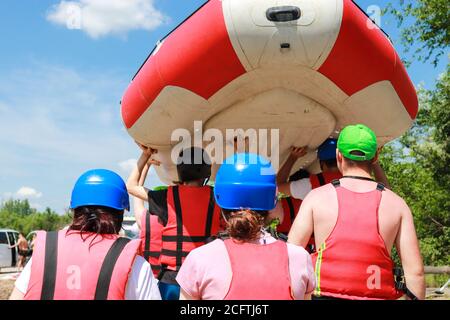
(319, 194)
(394, 201)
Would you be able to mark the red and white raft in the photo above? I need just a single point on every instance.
(307, 67)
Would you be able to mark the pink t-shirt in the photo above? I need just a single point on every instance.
(206, 273)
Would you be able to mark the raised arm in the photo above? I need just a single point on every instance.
(378, 171)
(139, 204)
(133, 186)
(409, 252)
(285, 170)
(379, 174)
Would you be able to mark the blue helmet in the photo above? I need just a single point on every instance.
(246, 181)
(100, 188)
(327, 151)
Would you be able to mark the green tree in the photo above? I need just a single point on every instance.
(418, 169)
(18, 215)
(418, 163)
(430, 26)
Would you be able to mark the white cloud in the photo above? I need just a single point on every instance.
(23, 193)
(27, 192)
(128, 165)
(99, 18)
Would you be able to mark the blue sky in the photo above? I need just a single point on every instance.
(60, 90)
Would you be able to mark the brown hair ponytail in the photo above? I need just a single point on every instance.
(245, 225)
(97, 220)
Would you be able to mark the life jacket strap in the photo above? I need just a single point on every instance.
(50, 266)
(321, 179)
(291, 209)
(400, 283)
(147, 236)
(104, 279)
(380, 186)
(179, 216)
(336, 183)
(180, 238)
(210, 214)
(151, 254)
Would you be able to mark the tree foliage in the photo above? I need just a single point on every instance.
(18, 215)
(418, 163)
(418, 169)
(430, 27)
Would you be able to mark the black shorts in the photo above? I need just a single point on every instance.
(25, 253)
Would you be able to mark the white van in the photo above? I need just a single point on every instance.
(8, 257)
(130, 228)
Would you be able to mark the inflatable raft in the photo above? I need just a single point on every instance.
(306, 67)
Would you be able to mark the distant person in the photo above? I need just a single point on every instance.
(250, 264)
(23, 251)
(150, 228)
(356, 222)
(33, 239)
(187, 211)
(89, 261)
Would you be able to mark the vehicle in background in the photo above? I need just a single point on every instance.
(8, 257)
(30, 237)
(130, 228)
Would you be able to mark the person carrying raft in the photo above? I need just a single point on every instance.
(186, 210)
(89, 261)
(150, 228)
(250, 264)
(356, 221)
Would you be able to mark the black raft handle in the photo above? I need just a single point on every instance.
(283, 14)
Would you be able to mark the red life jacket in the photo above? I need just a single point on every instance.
(353, 262)
(151, 237)
(255, 276)
(291, 206)
(64, 267)
(321, 179)
(290, 209)
(192, 217)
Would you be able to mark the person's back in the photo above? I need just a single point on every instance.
(89, 260)
(192, 218)
(232, 267)
(22, 243)
(85, 270)
(356, 222)
(186, 210)
(325, 213)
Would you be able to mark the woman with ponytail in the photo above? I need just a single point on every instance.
(89, 260)
(247, 263)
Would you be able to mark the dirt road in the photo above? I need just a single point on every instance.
(6, 287)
